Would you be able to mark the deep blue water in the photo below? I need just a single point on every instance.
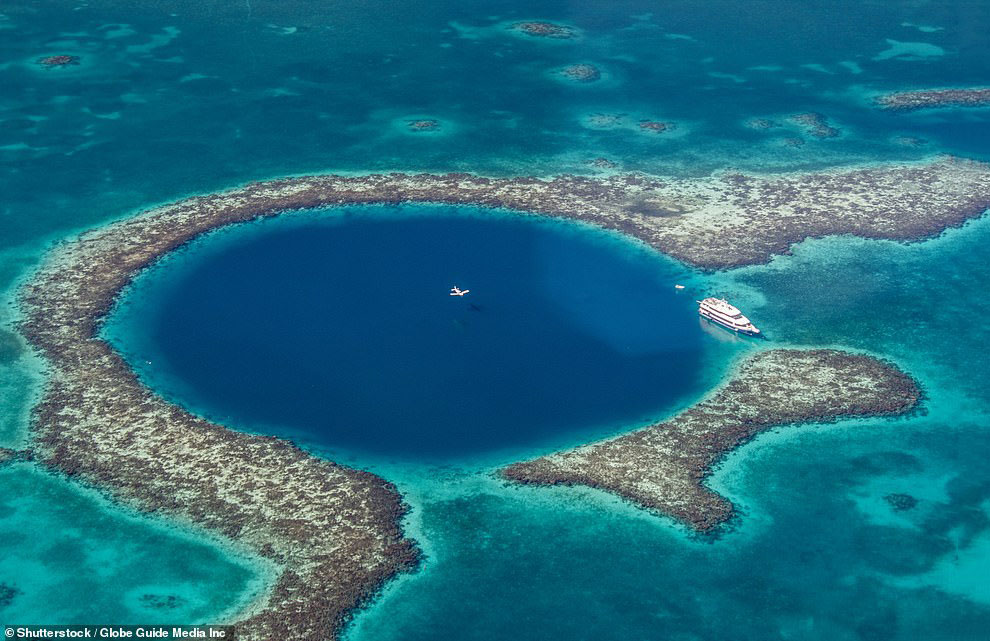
(338, 328)
(182, 96)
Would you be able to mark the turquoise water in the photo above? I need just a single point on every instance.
(61, 543)
(337, 328)
(177, 97)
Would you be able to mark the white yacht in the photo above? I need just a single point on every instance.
(720, 311)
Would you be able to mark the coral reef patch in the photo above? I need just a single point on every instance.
(654, 126)
(581, 73)
(900, 502)
(933, 98)
(58, 61)
(814, 124)
(542, 29)
(423, 125)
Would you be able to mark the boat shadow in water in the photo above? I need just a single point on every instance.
(725, 335)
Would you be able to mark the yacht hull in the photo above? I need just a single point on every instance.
(730, 327)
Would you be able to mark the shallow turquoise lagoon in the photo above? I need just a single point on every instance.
(72, 557)
(337, 328)
(182, 96)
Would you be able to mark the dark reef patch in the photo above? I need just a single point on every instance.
(162, 601)
(542, 29)
(909, 141)
(901, 502)
(603, 163)
(423, 125)
(653, 207)
(7, 594)
(762, 124)
(933, 98)
(581, 73)
(58, 61)
(815, 125)
(655, 126)
(10, 456)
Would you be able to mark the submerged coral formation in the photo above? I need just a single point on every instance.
(581, 73)
(58, 61)
(542, 29)
(162, 601)
(909, 141)
(9, 456)
(815, 124)
(932, 98)
(603, 163)
(603, 120)
(900, 502)
(663, 467)
(654, 126)
(761, 124)
(423, 124)
(7, 594)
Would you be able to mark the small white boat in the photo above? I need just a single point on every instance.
(457, 291)
(721, 312)
(678, 286)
